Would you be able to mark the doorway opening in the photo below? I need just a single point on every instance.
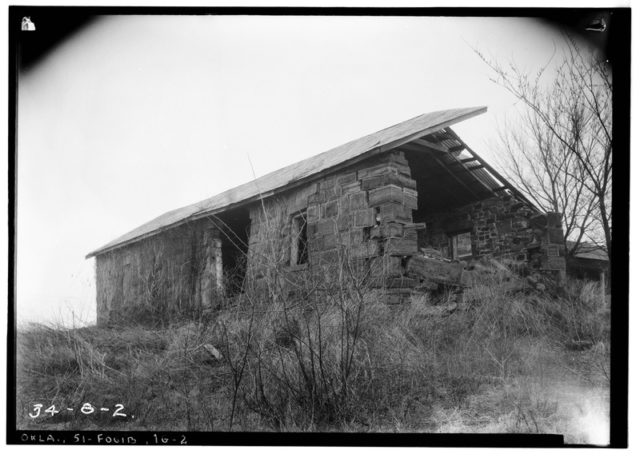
(234, 226)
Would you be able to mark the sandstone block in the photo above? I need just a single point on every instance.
(385, 194)
(364, 217)
(401, 247)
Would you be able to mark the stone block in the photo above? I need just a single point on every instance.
(555, 235)
(405, 181)
(330, 209)
(358, 200)
(434, 270)
(378, 181)
(347, 178)
(350, 238)
(300, 201)
(357, 236)
(343, 204)
(316, 244)
(374, 182)
(312, 229)
(391, 229)
(351, 187)
(410, 202)
(363, 250)
(554, 220)
(329, 241)
(376, 170)
(398, 157)
(329, 257)
(313, 212)
(326, 226)
(387, 229)
(401, 247)
(386, 266)
(330, 194)
(555, 263)
(345, 221)
(327, 183)
(385, 194)
(410, 234)
(394, 212)
(362, 218)
(416, 226)
(316, 198)
(402, 169)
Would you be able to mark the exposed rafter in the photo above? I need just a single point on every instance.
(491, 170)
(469, 159)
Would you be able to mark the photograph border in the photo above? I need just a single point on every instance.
(618, 52)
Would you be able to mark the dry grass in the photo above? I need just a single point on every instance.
(163, 378)
(501, 362)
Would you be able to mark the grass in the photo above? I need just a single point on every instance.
(499, 361)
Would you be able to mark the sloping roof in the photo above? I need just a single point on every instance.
(376, 143)
(589, 251)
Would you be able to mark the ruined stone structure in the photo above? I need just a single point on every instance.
(412, 204)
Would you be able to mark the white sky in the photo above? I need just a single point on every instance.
(138, 115)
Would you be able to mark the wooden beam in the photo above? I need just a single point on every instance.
(439, 135)
(431, 145)
(456, 149)
(469, 159)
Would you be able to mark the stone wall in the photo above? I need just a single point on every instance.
(362, 214)
(503, 228)
(172, 272)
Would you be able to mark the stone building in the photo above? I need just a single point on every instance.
(588, 261)
(410, 202)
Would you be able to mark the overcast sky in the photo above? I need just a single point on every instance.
(138, 115)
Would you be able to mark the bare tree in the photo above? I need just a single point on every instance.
(560, 150)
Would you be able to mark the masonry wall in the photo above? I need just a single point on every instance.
(362, 213)
(172, 272)
(503, 228)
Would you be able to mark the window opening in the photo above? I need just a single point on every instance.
(299, 241)
(460, 245)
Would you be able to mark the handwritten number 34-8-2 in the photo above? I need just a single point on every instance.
(86, 409)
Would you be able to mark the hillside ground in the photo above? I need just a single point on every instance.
(492, 361)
